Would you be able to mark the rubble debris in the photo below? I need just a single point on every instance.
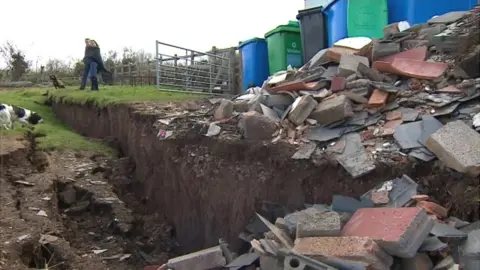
(350, 249)
(443, 230)
(349, 64)
(205, 259)
(301, 109)
(295, 261)
(256, 126)
(305, 151)
(243, 260)
(401, 232)
(457, 146)
(323, 224)
(434, 209)
(413, 96)
(354, 158)
(224, 110)
(332, 110)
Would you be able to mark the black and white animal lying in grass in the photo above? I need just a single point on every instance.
(9, 114)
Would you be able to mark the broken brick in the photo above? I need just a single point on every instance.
(332, 110)
(399, 231)
(336, 53)
(301, 109)
(349, 64)
(378, 98)
(433, 208)
(338, 84)
(356, 249)
(380, 197)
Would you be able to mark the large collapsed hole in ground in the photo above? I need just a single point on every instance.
(208, 188)
(59, 212)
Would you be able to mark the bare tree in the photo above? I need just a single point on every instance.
(15, 60)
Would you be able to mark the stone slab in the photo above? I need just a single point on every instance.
(354, 158)
(457, 146)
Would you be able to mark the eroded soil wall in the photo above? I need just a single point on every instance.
(207, 188)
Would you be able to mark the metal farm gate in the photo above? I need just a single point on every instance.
(182, 69)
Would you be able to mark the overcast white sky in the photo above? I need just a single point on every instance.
(56, 28)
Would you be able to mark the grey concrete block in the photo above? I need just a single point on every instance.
(349, 64)
(301, 109)
(200, 260)
(457, 146)
(320, 224)
(382, 49)
(332, 110)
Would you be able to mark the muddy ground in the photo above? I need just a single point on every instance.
(58, 211)
(208, 188)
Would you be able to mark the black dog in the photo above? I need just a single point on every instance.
(56, 82)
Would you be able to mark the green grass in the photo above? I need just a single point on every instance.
(53, 134)
(117, 94)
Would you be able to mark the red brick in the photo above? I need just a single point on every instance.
(395, 115)
(358, 249)
(400, 231)
(338, 84)
(434, 209)
(378, 98)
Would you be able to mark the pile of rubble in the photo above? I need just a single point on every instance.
(414, 94)
(389, 227)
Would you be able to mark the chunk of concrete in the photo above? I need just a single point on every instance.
(349, 64)
(204, 259)
(224, 110)
(332, 110)
(381, 49)
(401, 232)
(321, 224)
(350, 249)
(304, 216)
(255, 126)
(301, 109)
(421, 261)
(457, 146)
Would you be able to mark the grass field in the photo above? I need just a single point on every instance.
(52, 134)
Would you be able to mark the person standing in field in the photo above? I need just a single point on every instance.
(93, 64)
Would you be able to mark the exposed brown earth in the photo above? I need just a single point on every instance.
(209, 188)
